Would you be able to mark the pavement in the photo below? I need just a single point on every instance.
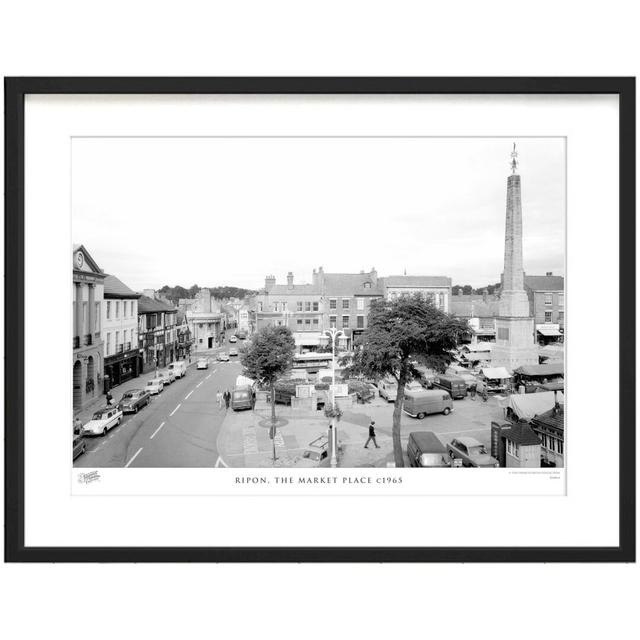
(244, 441)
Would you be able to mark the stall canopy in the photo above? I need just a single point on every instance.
(495, 373)
(528, 405)
(548, 331)
(551, 369)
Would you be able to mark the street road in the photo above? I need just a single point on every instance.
(178, 429)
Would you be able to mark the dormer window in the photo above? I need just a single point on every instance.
(367, 285)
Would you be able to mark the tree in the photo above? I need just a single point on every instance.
(401, 334)
(268, 357)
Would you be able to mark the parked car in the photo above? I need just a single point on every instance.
(455, 385)
(132, 401)
(233, 339)
(316, 452)
(203, 363)
(419, 404)
(388, 389)
(155, 386)
(424, 449)
(79, 446)
(102, 421)
(233, 352)
(167, 376)
(472, 453)
(179, 368)
(223, 357)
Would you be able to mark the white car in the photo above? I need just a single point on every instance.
(233, 339)
(167, 375)
(102, 421)
(155, 386)
(178, 368)
(203, 363)
(223, 357)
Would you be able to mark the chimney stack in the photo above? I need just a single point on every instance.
(290, 280)
(549, 273)
(269, 283)
(374, 275)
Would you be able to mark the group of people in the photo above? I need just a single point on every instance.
(223, 398)
(479, 388)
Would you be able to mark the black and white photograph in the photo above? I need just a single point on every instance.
(312, 302)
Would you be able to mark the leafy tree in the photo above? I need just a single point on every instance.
(401, 334)
(268, 357)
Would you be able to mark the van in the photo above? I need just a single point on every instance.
(455, 385)
(179, 368)
(424, 449)
(419, 404)
(242, 398)
(388, 389)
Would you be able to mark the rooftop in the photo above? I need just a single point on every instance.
(551, 418)
(115, 288)
(544, 283)
(522, 433)
(149, 305)
(417, 281)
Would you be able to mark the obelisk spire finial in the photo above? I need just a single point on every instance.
(514, 159)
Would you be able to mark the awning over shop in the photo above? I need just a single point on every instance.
(528, 405)
(548, 331)
(495, 373)
(308, 339)
(551, 369)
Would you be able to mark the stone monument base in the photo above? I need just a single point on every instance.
(515, 345)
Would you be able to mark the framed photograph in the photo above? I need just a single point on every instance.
(320, 319)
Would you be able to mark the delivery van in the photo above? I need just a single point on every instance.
(419, 404)
(388, 389)
(455, 385)
(179, 368)
(424, 449)
(242, 398)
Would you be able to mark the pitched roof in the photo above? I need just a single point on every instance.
(115, 288)
(474, 306)
(551, 418)
(522, 433)
(296, 289)
(417, 281)
(551, 369)
(149, 305)
(544, 283)
(351, 284)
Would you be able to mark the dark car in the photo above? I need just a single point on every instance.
(79, 446)
(134, 400)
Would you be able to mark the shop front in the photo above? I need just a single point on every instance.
(122, 367)
(549, 333)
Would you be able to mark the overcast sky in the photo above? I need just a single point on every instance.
(228, 211)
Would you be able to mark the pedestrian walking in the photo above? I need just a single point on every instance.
(372, 436)
(227, 398)
(77, 426)
(472, 392)
(219, 399)
(109, 398)
(481, 389)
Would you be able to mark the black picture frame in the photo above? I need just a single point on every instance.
(15, 91)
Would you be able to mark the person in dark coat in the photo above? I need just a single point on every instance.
(372, 436)
(227, 398)
(109, 399)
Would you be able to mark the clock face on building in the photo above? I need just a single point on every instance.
(79, 259)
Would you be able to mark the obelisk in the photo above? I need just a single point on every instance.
(515, 344)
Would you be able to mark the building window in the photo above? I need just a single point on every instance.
(332, 321)
(316, 306)
(441, 300)
(259, 306)
(299, 322)
(307, 322)
(108, 310)
(548, 316)
(299, 306)
(117, 309)
(315, 321)
(561, 316)
(307, 306)
(96, 317)
(345, 322)
(548, 298)
(360, 304)
(276, 306)
(133, 308)
(333, 304)
(513, 449)
(124, 336)
(124, 310)
(345, 303)
(561, 299)
(117, 339)
(360, 322)
(108, 344)
(367, 285)
(560, 446)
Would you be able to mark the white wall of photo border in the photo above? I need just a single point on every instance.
(512, 508)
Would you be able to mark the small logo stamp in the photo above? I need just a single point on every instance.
(87, 478)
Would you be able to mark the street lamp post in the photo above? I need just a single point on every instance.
(333, 333)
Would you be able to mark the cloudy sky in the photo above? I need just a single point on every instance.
(228, 211)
